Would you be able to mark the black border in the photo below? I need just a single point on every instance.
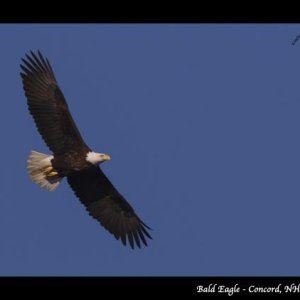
(149, 12)
(148, 286)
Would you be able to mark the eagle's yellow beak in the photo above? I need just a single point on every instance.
(105, 157)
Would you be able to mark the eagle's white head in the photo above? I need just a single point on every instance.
(96, 158)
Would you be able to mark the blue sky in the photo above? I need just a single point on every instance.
(203, 126)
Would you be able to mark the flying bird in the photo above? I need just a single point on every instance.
(71, 157)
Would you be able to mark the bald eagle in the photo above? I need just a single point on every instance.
(71, 157)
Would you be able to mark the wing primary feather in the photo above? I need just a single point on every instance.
(49, 67)
(123, 239)
(142, 236)
(130, 238)
(43, 63)
(145, 232)
(136, 238)
(35, 64)
(145, 225)
(40, 62)
(25, 68)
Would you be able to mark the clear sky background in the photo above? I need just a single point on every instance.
(203, 126)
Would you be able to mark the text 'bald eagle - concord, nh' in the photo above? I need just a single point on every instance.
(71, 157)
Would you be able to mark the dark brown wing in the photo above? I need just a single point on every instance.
(48, 106)
(105, 204)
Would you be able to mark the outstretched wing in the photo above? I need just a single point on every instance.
(48, 106)
(105, 204)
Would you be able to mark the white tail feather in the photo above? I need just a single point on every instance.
(37, 166)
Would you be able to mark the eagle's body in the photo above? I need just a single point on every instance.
(66, 163)
(72, 158)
